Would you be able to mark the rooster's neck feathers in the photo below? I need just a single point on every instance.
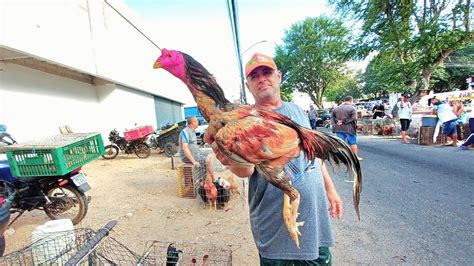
(201, 80)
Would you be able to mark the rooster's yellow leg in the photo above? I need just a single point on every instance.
(290, 214)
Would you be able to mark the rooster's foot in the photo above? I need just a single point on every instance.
(290, 214)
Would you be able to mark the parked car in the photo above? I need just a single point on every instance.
(324, 118)
(200, 130)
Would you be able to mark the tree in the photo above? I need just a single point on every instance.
(344, 86)
(312, 56)
(421, 34)
(386, 72)
(456, 68)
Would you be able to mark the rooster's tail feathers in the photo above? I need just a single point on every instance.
(337, 152)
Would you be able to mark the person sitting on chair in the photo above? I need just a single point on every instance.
(189, 149)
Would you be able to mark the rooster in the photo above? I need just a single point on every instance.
(211, 192)
(251, 136)
(234, 187)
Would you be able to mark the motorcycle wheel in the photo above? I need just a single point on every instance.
(142, 151)
(110, 152)
(152, 144)
(170, 149)
(66, 203)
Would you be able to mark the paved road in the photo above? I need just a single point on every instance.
(417, 206)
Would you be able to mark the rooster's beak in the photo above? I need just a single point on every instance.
(156, 65)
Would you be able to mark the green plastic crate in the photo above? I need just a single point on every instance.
(54, 156)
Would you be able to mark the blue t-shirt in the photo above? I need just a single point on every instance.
(266, 204)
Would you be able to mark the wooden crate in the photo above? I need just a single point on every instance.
(426, 136)
(186, 174)
(463, 132)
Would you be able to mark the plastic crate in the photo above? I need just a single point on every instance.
(54, 156)
(429, 121)
(138, 132)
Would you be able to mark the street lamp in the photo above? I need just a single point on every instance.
(250, 47)
(243, 97)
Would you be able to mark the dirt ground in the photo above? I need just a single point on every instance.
(142, 195)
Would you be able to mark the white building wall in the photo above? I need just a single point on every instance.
(34, 104)
(90, 36)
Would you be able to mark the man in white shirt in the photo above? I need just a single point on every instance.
(447, 117)
(404, 113)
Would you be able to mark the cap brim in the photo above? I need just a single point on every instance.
(270, 65)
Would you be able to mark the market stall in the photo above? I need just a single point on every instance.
(430, 131)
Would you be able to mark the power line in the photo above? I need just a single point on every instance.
(129, 22)
(234, 22)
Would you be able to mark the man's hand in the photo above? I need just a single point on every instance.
(339, 122)
(196, 164)
(239, 170)
(335, 204)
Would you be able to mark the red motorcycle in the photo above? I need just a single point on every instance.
(119, 143)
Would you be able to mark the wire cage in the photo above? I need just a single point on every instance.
(186, 253)
(226, 188)
(60, 248)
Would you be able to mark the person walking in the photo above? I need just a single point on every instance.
(405, 111)
(274, 244)
(313, 116)
(344, 122)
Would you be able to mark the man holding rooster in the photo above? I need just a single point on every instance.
(313, 182)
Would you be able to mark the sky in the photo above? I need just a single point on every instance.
(202, 29)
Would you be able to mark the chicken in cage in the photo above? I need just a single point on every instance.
(186, 253)
(215, 193)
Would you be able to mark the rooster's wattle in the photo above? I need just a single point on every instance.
(263, 138)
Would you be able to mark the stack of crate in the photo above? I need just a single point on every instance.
(463, 131)
(368, 127)
(426, 136)
(187, 175)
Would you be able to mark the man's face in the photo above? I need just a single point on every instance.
(264, 83)
(193, 123)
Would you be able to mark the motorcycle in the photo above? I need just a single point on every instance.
(137, 146)
(5, 205)
(60, 197)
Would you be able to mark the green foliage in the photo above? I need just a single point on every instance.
(417, 35)
(456, 68)
(313, 56)
(343, 87)
(386, 72)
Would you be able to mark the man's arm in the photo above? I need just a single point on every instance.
(333, 117)
(239, 170)
(188, 154)
(352, 117)
(335, 203)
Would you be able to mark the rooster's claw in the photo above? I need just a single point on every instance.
(290, 214)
